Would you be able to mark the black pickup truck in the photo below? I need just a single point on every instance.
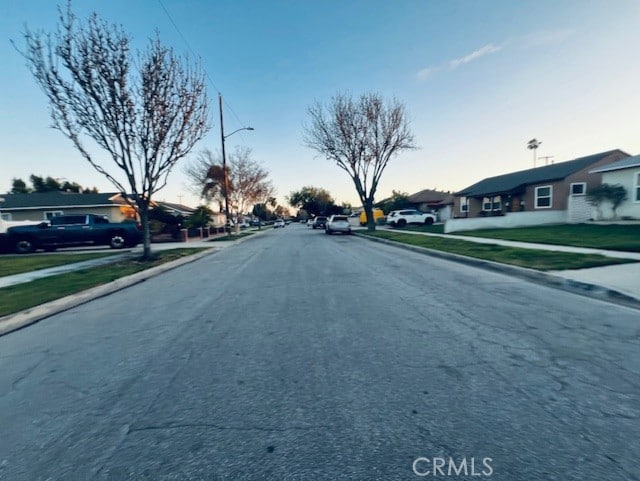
(73, 230)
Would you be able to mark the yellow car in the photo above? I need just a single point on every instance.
(377, 214)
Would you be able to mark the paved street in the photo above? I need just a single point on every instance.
(300, 356)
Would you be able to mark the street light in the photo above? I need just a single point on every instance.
(224, 160)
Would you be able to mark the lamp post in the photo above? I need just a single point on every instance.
(224, 161)
(533, 144)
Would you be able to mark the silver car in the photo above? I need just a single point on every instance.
(338, 223)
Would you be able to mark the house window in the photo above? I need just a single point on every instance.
(49, 214)
(464, 204)
(578, 188)
(489, 204)
(637, 188)
(544, 196)
(5, 216)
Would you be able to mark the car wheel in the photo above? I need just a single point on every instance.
(428, 221)
(25, 246)
(117, 241)
(402, 223)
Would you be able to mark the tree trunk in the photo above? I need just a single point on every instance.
(146, 232)
(368, 210)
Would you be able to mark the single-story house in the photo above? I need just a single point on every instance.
(44, 206)
(624, 172)
(438, 202)
(546, 188)
(175, 209)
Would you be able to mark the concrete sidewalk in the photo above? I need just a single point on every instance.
(130, 253)
(621, 278)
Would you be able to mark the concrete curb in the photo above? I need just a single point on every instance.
(13, 322)
(539, 277)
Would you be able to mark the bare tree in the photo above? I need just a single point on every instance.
(146, 114)
(360, 136)
(248, 180)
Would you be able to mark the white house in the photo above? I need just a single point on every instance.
(624, 172)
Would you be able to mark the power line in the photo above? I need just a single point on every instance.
(197, 56)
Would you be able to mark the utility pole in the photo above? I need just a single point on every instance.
(224, 161)
(224, 169)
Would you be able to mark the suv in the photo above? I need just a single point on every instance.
(319, 222)
(400, 218)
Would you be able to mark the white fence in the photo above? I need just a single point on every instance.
(510, 219)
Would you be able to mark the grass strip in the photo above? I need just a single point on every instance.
(17, 264)
(612, 236)
(23, 296)
(531, 258)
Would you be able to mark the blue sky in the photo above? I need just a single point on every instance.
(479, 78)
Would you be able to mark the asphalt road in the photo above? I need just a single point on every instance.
(301, 356)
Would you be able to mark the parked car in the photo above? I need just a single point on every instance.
(400, 218)
(338, 223)
(73, 230)
(377, 214)
(278, 223)
(309, 222)
(319, 222)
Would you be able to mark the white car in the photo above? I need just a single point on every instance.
(278, 223)
(337, 223)
(400, 218)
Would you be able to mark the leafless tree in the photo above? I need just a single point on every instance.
(360, 136)
(146, 112)
(248, 179)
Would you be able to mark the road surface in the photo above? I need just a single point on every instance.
(301, 356)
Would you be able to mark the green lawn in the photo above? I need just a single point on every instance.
(614, 236)
(23, 296)
(530, 258)
(16, 264)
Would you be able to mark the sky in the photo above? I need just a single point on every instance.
(478, 78)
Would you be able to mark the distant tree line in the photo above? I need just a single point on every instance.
(315, 201)
(48, 184)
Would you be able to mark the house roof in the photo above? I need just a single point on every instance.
(626, 163)
(515, 181)
(177, 207)
(59, 199)
(429, 196)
